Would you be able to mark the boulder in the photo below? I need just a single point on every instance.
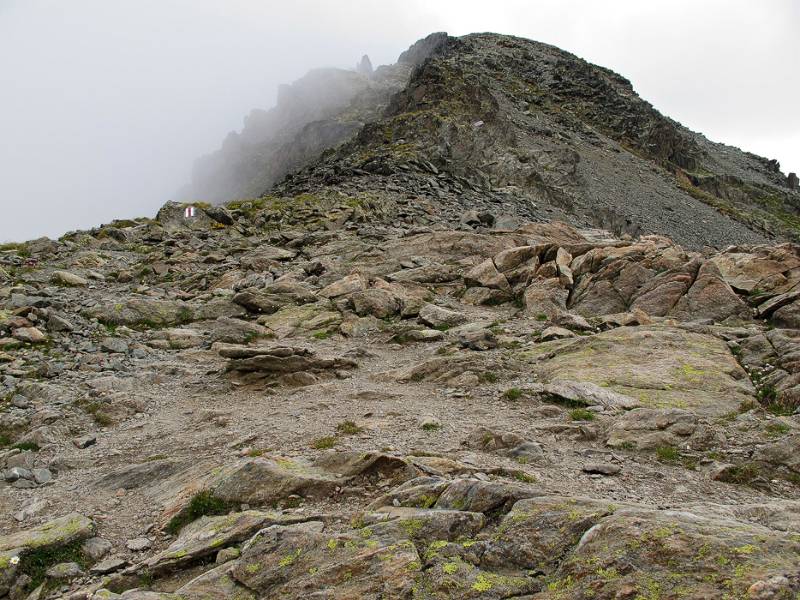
(280, 360)
(377, 302)
(486, 275)
(69, 279)
(207, 535)
(306, 319)
(439, 317)
(589, 394)
(263, 481)
(346, 285)
(149, 312)
(297, 561)
(30, 335)
(545, 298)
(707, 555)
(216, 584)
(660, 367)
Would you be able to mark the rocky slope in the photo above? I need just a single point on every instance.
(361, 388)
(520, 128)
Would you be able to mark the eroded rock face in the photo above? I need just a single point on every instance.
(208, 534)
(282, 361)
(161, 313)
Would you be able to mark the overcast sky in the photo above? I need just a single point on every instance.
(104, 104)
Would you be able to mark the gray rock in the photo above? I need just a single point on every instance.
(108, 565)
(96, 548)
(555, 333)
(590, 394)
(85, 441)
(42, 476)
(20, 401)
(477, 339)
(227, 554)
(602, 469)
(53, 534)
(114, 345)
(436, 316)
(30, 510)
(30, 335)
(69, 279)
(16, 473)
(64, 571)
(139, 544)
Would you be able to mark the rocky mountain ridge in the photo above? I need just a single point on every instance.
(394, 378)
(530, 130)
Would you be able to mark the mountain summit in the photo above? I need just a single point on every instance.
(443, 350)
(513, 127)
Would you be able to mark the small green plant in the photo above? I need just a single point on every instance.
(146, 578)
(255, 452)
(524, 477)
(431, 426)
(202, 504)
(32, 446)
(541, 317)
(156, 457)
(767, 394)
(488, 377)
(250, 336)
(321, 335)
(512, 394)
(581, 414)
(667, 454)
(748, 405)
(793, 478)
(742, 474)
(35, 563)
(780, 410)
(450, 568)
(324, 442)
(776, 428)
(184, 315)
(95, 409)
(348, 428)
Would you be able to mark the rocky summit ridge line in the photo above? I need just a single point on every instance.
(511, 126)
(395, 376)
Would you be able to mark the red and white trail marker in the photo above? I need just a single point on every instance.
(189, 212)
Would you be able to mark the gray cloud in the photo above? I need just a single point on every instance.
(104, 105)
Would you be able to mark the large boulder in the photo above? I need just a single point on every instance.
(149, 312)
(545, 299)
(660, 367)
(208, 535)
(700, 555)
(300, 560)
